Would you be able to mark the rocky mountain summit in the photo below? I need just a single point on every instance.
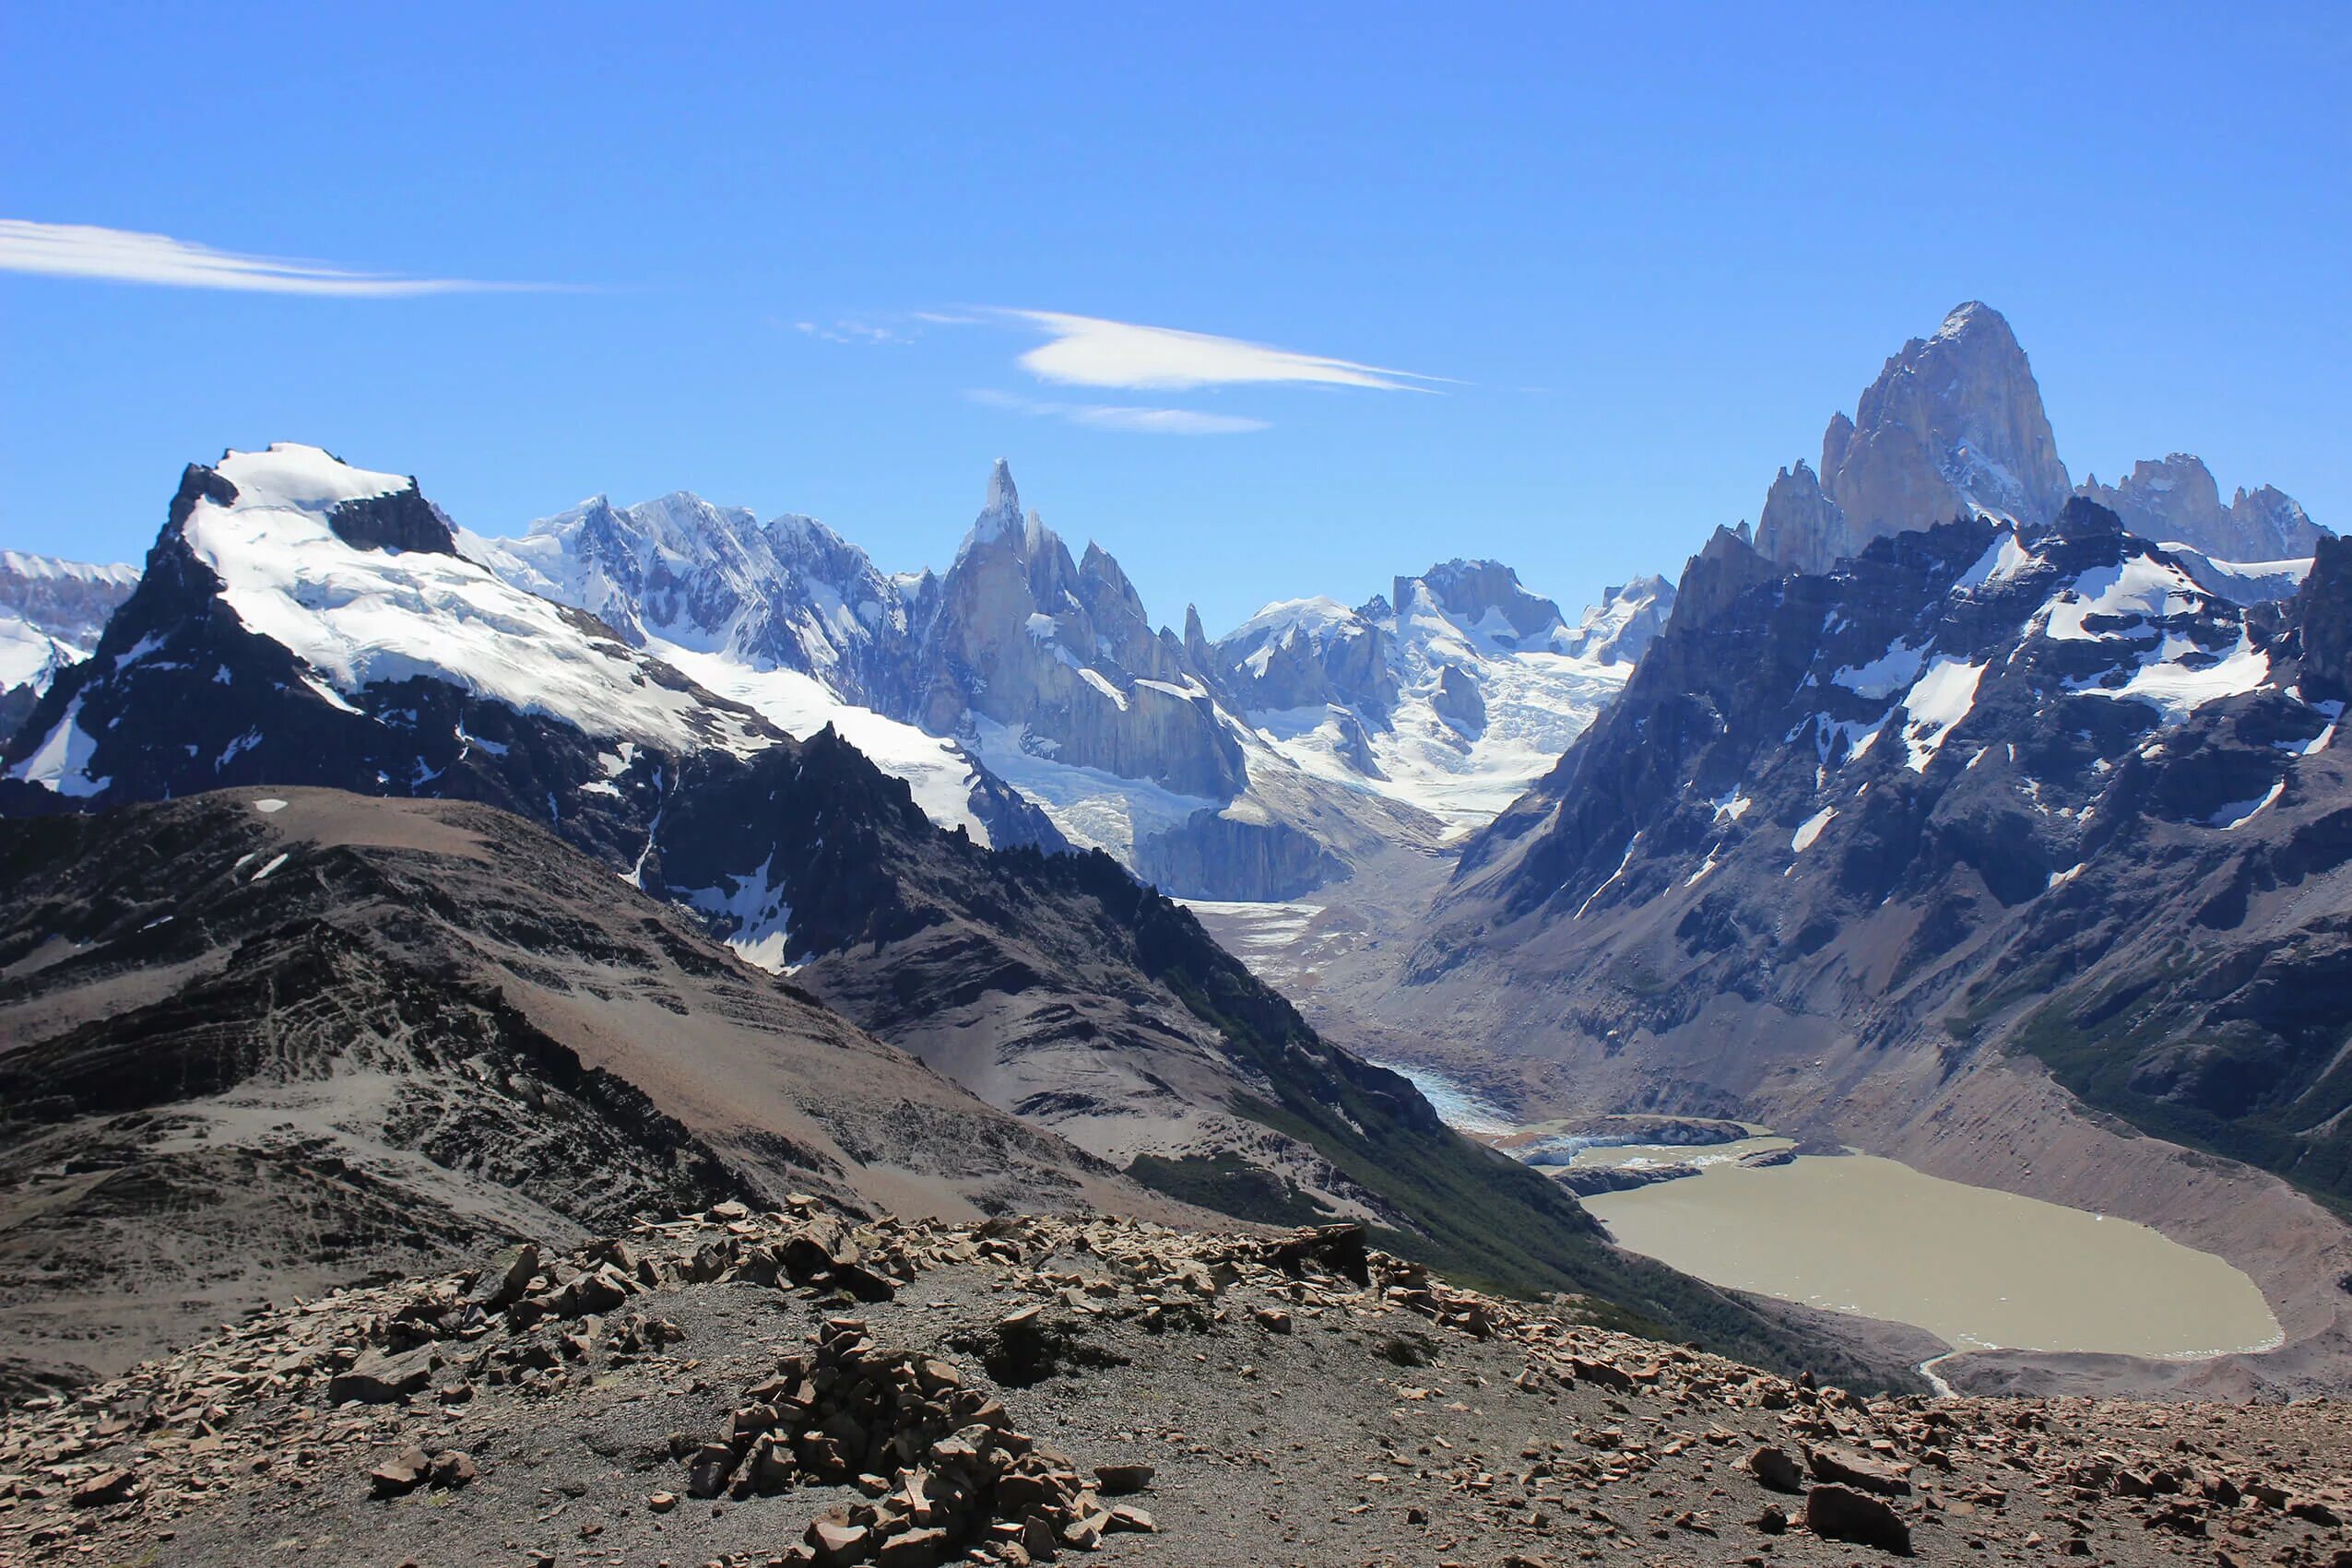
(790, 1385)
(262, 1043)
(2176, 500)
(1954, 426)
(51, 614)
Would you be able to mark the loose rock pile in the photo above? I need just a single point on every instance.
(942, 1464)
(1342, 1406)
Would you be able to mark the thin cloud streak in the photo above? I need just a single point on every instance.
(1091, 351)
(123, 256)
(1122, 417)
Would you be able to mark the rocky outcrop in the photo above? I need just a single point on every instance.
(2175, 500)
(1953, 425)
(1800, 524)
(1485, 597)
(1310, 652)
(2323, 621)
(402, 520)
(1458, 701)
(1018, 634)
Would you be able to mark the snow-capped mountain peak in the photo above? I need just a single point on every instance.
(292, 477)
(1483, 600)
(1453, 698)
(52, 612)
(342, 567)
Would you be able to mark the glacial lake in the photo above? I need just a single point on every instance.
(1979, 1268)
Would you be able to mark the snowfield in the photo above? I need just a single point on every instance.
(361, 616)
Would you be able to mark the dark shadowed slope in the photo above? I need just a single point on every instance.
(259, 1043)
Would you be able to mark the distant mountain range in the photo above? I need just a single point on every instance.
(169, 966)
(1955, 808)
(51, 614)
(1258, 766)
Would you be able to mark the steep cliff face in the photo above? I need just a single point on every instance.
(2175, 500)
(1800, 525)
(1023, 637)
(1953, 425)
(1953, 421)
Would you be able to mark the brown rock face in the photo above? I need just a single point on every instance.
(1774, 1471)
(1800, 523)
(1952, 424)
(2324, 607)
(1857, 1471)
(2176, 500)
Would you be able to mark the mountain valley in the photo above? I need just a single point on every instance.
(382, 891)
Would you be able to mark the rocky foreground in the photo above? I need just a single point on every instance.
(792, 1387)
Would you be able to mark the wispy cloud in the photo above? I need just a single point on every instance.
(123, 256)
(850, 331)
(1091, 351)
(1122, 417)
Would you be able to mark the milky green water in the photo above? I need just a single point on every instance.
(1979, 1268)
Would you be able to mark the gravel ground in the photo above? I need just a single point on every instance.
(1289, 1416)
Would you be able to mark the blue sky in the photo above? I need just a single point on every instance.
(1639, 254)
